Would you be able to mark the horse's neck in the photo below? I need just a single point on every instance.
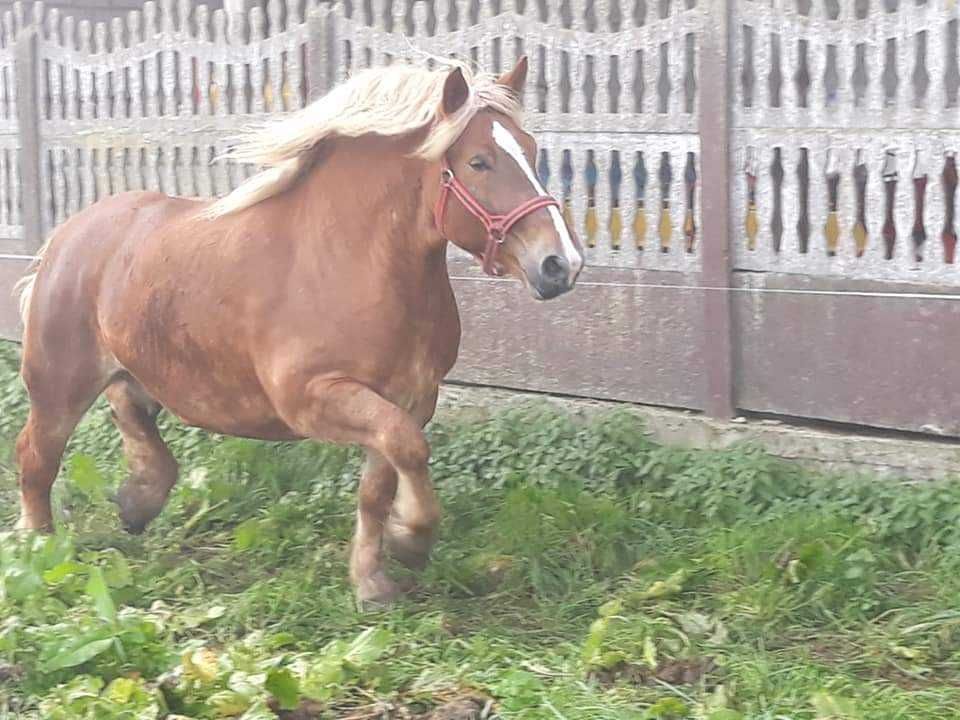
(382, 214)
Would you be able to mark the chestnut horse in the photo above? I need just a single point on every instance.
(313, 302)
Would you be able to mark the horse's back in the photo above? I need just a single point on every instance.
(92, 236)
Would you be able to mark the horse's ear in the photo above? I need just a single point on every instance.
(455, 92)
(516, 79)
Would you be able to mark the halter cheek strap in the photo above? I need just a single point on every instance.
(497, 226)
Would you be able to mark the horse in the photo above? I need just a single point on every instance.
(311, 302)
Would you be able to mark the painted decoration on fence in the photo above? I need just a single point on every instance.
(848, 111)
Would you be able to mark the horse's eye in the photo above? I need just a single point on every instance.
(479, 164)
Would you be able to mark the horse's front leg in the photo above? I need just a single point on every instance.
(348, 412)
(375, 497)
(406, 537)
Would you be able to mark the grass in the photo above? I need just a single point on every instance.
(583, 572)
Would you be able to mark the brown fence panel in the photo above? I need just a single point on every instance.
(609, 339)
(867, 359)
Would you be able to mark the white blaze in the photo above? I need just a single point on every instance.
(505, 139)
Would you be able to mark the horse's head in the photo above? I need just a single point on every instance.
(502, 214)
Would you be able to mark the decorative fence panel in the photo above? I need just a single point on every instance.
(846, 136)
(153, 102)
(11, 221)
(772, 146)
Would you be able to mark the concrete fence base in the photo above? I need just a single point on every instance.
(894, 456)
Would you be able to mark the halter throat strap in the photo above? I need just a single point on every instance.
(496, 226)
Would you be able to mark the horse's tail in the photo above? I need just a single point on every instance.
(24, 286)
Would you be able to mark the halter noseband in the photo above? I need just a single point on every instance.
(497, 226)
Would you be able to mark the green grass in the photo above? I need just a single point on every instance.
(583, 572)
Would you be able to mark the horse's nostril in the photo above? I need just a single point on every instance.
(554, 268)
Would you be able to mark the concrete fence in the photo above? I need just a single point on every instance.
(767, 187)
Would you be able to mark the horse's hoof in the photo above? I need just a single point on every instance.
(25, 525)
(379, 592)
(375, 605)
(134, 518)
(138, 504)
(132, 521)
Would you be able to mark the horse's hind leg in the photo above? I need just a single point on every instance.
(153, 469)
(56, 405)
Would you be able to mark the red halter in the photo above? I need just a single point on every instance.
(497, 226)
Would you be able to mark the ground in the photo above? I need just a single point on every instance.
(583, 572)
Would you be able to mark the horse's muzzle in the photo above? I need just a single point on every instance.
(554, 278)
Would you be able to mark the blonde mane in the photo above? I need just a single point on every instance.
(390, 101)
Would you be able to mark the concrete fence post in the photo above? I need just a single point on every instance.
(715, 114)
(28, 119)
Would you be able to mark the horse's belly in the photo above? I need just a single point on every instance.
(217, 393)
(245, 416)
(240, 409)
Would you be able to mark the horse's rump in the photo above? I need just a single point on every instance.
(88, 240)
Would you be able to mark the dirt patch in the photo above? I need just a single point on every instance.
(467, 708)
(307, 710)
(690, 671)
(463, 707)
(10, 673)
(844, 656)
